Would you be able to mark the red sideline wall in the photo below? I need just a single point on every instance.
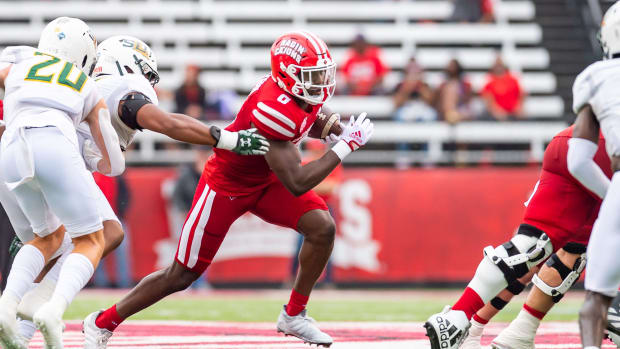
(393, 226)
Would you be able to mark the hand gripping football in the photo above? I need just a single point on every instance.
(327, 122)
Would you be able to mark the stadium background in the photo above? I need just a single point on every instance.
(434, 186)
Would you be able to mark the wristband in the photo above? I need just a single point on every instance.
(341, 149)
(227, 140)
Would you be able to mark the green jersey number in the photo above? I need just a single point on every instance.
(63, 78)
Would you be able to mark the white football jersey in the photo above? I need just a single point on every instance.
(113, 88)
(43, 90)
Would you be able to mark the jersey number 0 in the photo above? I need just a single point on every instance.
(63, 78)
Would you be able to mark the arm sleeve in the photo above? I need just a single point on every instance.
(580, 162)
(92, 97)
(110, 138)
(130, 105)
(273, 121)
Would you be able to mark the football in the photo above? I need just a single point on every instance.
(327, 122)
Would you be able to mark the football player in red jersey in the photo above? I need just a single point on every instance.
(276, 187)
(557, 223)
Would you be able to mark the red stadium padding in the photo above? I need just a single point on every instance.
(394, 226)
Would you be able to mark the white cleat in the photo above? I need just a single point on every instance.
(304, 328)
(47, 320)
(9, 335)
(94, 337)
(448, 329)
(474, 339)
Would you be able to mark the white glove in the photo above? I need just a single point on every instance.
(91, 155)
(355, 134)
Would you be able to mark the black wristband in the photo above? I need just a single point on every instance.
(216, 134)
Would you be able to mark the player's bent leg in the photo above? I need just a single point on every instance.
(553, 280)
(113, 235)
(75, 272)
(484, 315)
(500, 268)
(98, 326)
(319, 232)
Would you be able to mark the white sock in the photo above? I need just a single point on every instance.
(488, 280)
(27, 265)
(75, 273)
(26, 328)
(526, 323)
(54, 273)
(476, 328)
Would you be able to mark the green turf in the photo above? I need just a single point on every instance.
(265, 309)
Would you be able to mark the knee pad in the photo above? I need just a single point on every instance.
(569, 276)
(516, 257)
(515, 288)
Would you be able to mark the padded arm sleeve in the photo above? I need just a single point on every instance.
(110, 138)
(580, 161)
(131, 104)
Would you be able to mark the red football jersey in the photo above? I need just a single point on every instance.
(277, 116)
(560, 204)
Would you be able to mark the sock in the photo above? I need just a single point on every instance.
(469, 303)
(27, 265)
(54, 273)
(479, 320)
(26, 328)
(297, 303)
(526, 324)
(109, 319)
(477, 327)
(535, 313)
(75, 273)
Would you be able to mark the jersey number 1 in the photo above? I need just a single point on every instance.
(63, 78)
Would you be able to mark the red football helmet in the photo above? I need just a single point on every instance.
(302, 65)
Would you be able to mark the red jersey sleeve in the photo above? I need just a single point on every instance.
(274, 120)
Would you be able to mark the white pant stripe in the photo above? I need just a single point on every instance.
(200, 229)
(187, 227)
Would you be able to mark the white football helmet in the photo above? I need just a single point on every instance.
(70, 39)
(609, 35)
(124, 54)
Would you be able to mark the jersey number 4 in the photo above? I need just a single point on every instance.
(34, 73)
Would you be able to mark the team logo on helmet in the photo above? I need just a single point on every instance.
(290, 48)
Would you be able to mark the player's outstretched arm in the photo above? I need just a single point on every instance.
(112, 162)
(285, 161)
(582, 148)
(187, 129)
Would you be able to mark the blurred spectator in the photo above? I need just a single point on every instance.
(117, 192)
(363, 69)
(413, 97)
(453, 97)
(327, 190)
(190, 97)
(502, 94)
(472, 11)
(183, 194)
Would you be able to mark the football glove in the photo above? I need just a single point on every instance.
(249, 142)
(355, 134)
(16, 245)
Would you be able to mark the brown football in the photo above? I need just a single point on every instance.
(327, 122)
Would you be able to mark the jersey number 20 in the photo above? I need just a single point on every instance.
(63, 78)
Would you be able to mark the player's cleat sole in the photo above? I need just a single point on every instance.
(326, 345)
(432, 335)
(50, 325)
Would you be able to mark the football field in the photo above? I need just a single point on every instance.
(246, 319)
